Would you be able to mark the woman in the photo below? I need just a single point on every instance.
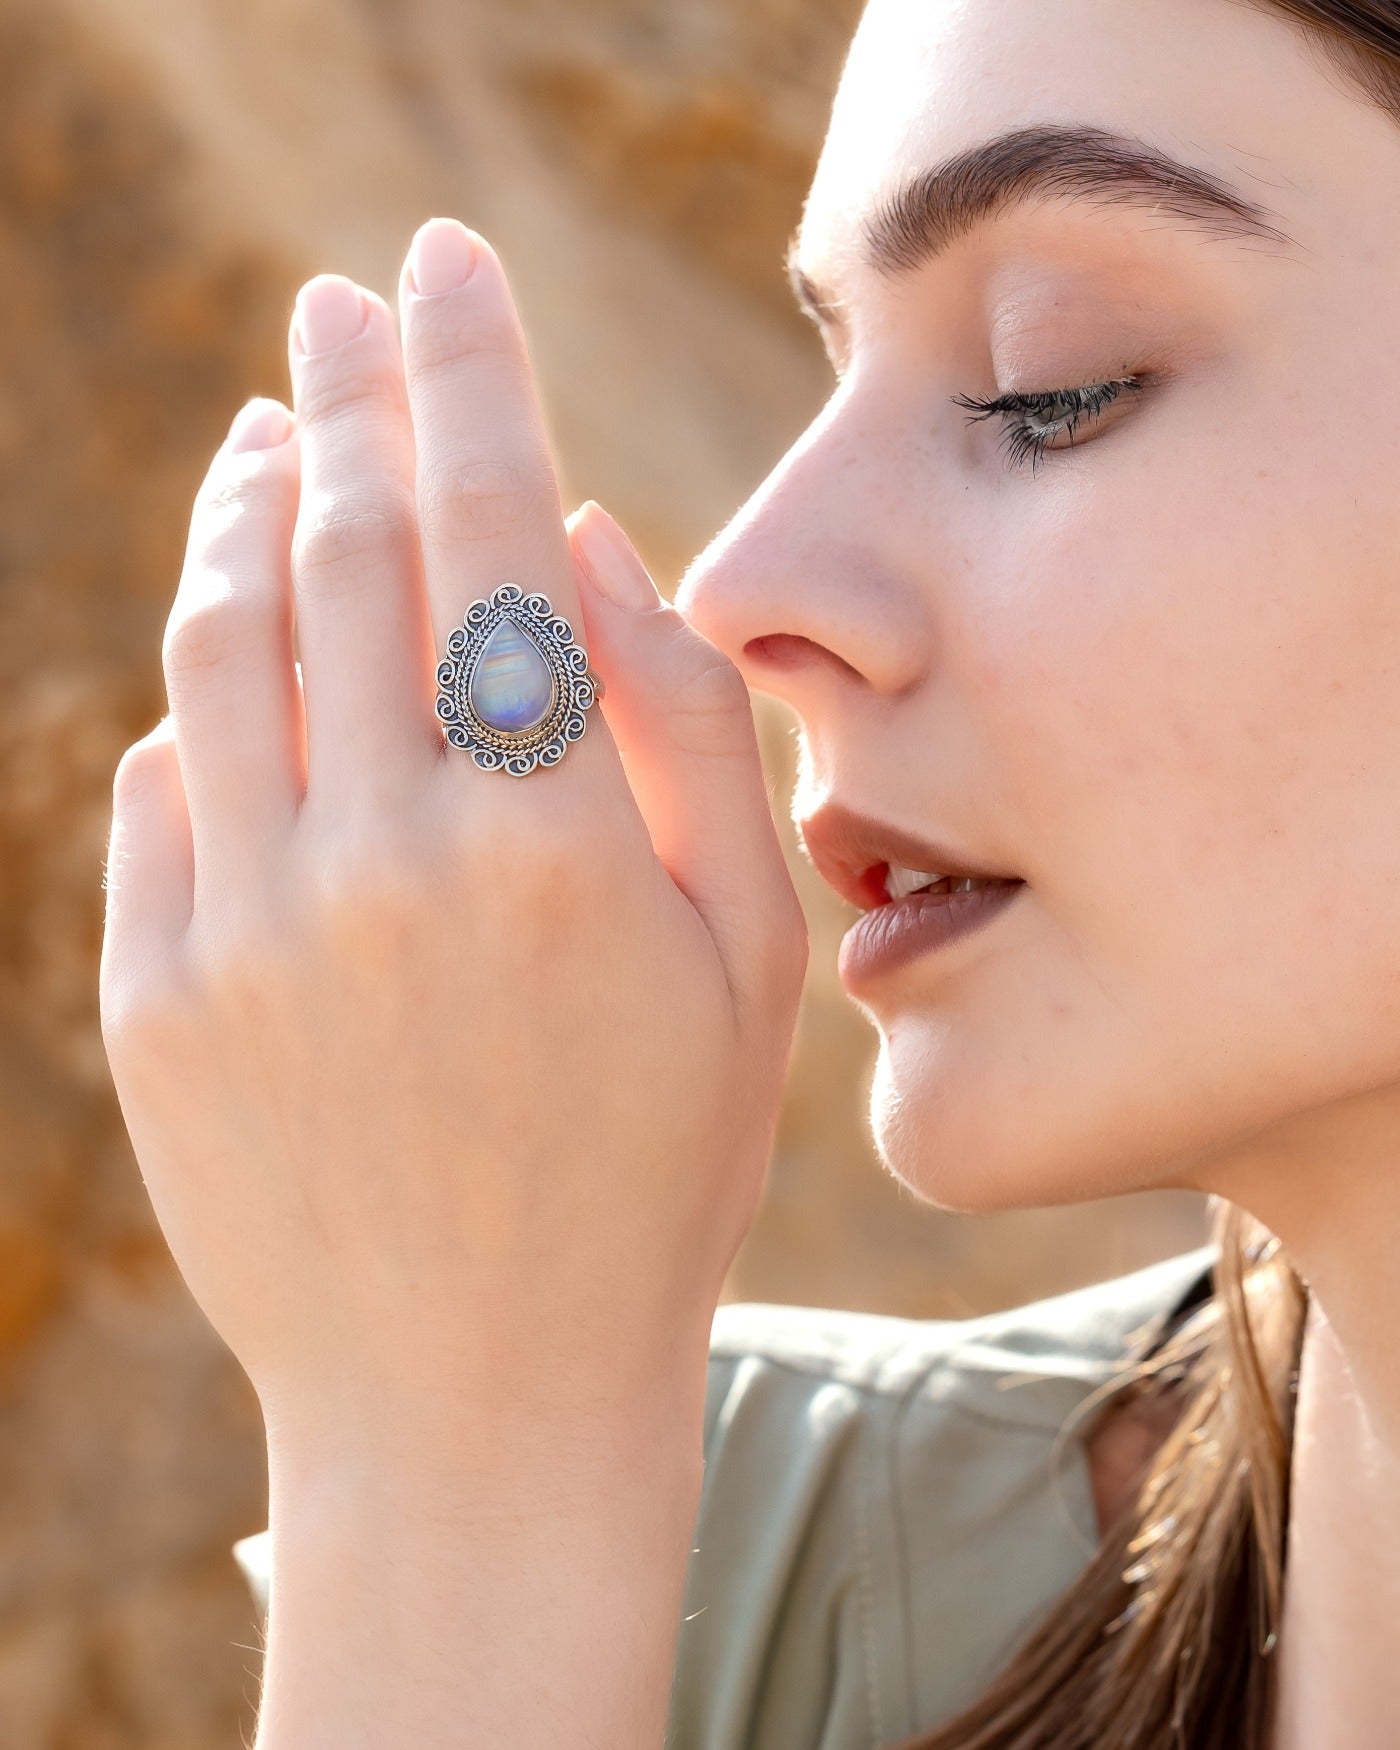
(454, 1091)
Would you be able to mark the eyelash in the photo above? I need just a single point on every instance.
(1089, 400)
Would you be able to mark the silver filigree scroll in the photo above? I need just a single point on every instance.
(514, 686)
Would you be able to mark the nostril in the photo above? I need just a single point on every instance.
(789, 653)
(781, 650)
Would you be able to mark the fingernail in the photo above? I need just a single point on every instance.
(441, 258)
(330, 311)
(612, 560)
(261, 425)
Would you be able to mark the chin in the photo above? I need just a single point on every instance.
(976, 1135)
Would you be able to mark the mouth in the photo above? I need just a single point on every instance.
(916, 896)
(870, 863)
(901, 883)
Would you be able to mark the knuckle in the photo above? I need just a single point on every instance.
(335, 397)
(344, 538)
(225, 501)
(713, 687)
(465, 332)
(139, 1014)
(238, 968)
(522, 859)
(347, 386)
(369, 875)
(140, 772)
(708, 709)
(483, 498)
(207, 634)
(236, 511)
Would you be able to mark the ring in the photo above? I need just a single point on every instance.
(514, 686)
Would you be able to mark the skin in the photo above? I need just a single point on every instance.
(453, 1148)
(1155, 678)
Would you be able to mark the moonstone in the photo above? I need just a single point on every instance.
(512, 687)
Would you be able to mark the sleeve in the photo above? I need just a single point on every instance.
(792, 1634)
(889, 1505)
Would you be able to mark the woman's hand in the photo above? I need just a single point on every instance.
(453, 1091)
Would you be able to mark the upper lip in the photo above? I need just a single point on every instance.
(851, 852)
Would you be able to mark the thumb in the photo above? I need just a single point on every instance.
(679, 712)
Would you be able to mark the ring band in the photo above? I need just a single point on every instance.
(515, 686)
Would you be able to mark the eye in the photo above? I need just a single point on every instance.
(1033, 420)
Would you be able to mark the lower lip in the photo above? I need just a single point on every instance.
(890, 936)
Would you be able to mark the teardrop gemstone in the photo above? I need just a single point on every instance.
(512, 688)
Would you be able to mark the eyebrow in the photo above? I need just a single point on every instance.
(932, 210)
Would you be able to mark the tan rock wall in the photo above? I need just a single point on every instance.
(170, 170)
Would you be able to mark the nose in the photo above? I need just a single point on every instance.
(805, 590)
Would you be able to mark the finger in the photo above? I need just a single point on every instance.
(680, 716)
(149, 874)
(488, 504)
(363, 631)
(227, 649)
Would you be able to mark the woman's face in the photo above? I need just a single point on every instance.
(1153, 672)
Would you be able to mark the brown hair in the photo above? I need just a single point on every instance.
(1164, 1641)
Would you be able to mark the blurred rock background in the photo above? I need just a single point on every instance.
(170, 171)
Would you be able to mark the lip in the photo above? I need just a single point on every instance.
(892, 935)
(851, 852)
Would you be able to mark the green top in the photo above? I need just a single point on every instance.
(886, 1509)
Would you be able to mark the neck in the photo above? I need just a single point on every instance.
(1331, 1193)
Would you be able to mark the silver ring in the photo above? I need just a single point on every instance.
(515, 687)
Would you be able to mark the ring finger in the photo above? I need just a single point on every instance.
(361, 617)
(488, 503)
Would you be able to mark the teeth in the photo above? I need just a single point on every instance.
(901, 882)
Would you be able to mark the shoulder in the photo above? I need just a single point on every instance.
(888, 1505)
(1075, 1335)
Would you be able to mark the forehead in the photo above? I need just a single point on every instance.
(927, 79)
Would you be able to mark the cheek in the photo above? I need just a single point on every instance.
(1191, 714)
